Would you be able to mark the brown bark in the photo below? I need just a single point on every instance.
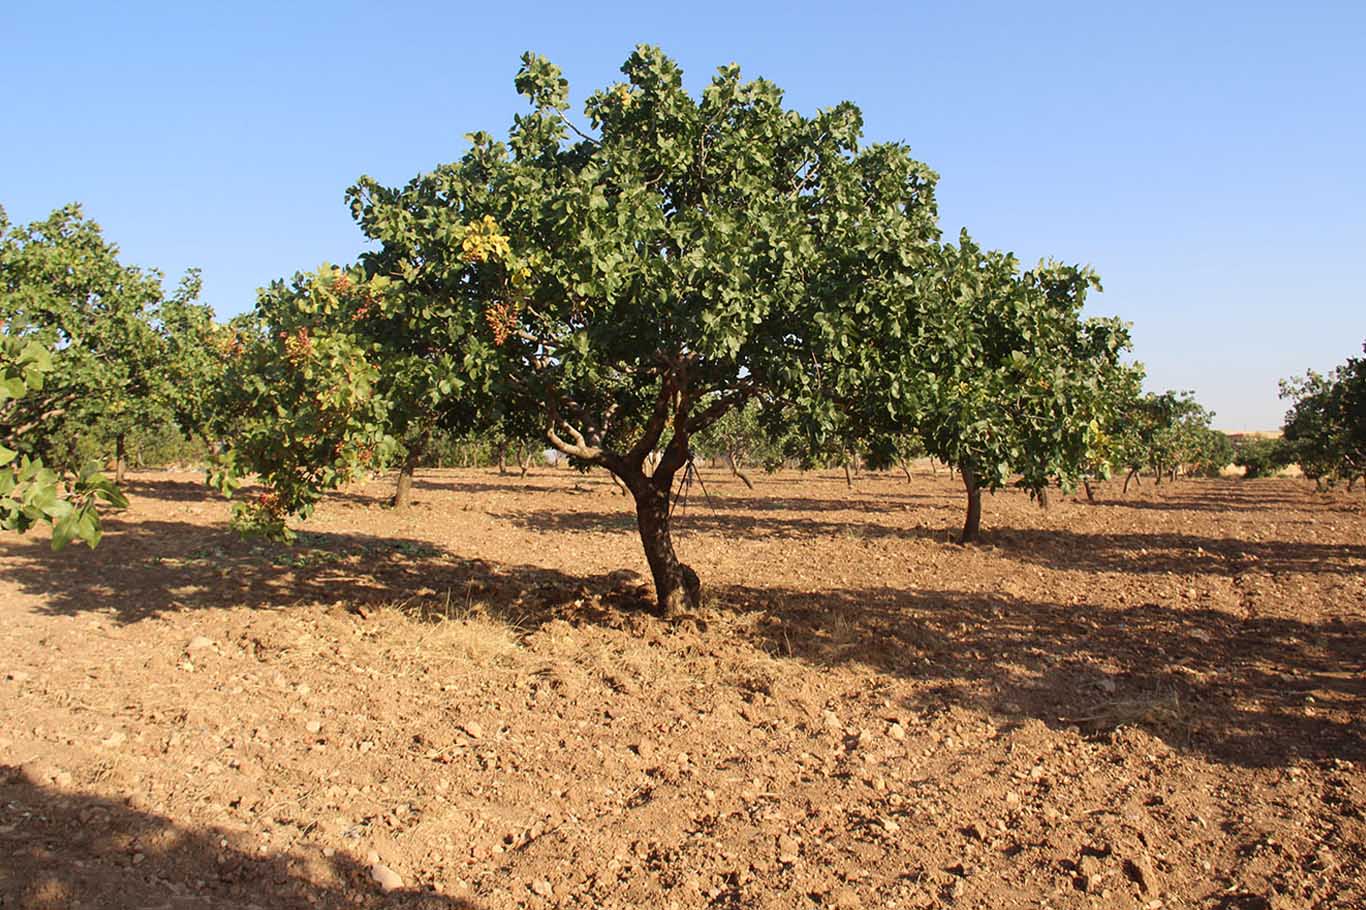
(677, 588)
(525, 458)
(120, 459)
(973, 523)
(403, 491)
(1132, 475)
(848, 477)
(735, 469)
(502, 458)
(1090, 493)
(905, 466)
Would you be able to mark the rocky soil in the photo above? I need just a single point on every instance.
(1152, 701)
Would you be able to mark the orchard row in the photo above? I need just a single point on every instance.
(670, 275)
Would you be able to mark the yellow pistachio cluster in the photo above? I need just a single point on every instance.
(483, 241)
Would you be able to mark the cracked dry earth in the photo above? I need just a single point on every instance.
(1151, 701)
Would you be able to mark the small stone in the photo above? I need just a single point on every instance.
(199, 643)
(976, 831)
(831, 720)
(1012, 798)
(542, 888)
(896, 732)
(314, 726)
(890, 826)
(1140, 872)
(789, 849)
(17, 676)
(115, 739)
(472, 729)
(387, 878)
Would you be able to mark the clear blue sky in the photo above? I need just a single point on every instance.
(1209, 159)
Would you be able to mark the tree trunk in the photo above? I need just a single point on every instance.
(905, 466)
(848, 478)
(1090, 493)
(677, 588)
(1043, 498)
(502, 459)
(120, 461)
(524, 457)
(934, 468)
(403, 492)
(973, 523)
(1133, 475)
(735, 469)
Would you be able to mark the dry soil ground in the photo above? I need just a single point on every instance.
(1154, 701)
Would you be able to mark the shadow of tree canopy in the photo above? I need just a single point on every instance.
(1232, 686)
(63, 849)
(1160, 552)
(718, 521)
(1202, 680)
(146, 568)
(1224, 496)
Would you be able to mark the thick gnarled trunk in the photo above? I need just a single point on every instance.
(677, 588)
(972, 524)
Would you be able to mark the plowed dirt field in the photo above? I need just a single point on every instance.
(1157, 700)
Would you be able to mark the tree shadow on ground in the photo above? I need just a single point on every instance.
(724, 522)
(1254, 692)
(64, 849)
(1231, 686)
(1159, 552)
(143, 569)
(1224, 496)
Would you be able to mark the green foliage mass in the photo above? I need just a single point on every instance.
(1325, 428)
(1261, 457)
(31, 493)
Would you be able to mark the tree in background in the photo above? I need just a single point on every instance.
(30, 492)
(993, 369)
(128, 362)
(741, 439)
(1325, 428)
(1260, 457)
(298, 403)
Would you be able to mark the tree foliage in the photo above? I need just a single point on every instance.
(994, 369)
(656, 271)
(30, 492)
(1325, 428)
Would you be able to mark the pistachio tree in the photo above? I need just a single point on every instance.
(30, 492)
(1325, 428)
(96, 316)
(995, 370)
(634, 279)
(298, 405)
